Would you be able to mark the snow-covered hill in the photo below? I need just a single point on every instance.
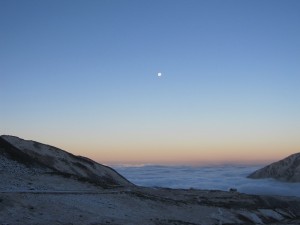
(287, 169)
(50, 159)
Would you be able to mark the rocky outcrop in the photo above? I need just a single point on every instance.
(287, 169)
(38, 155)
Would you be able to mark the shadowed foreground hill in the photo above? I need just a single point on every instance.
(287, 169)
(35, 154)
(43, 185)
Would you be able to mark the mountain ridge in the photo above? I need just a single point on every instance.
(287, 169)
(35, 154)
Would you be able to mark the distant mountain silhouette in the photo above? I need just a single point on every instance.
(287, 169)
(53, 160)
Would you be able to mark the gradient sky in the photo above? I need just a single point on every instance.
(82, 76)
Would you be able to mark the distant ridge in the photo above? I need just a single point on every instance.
(38, 155)
(287, 169)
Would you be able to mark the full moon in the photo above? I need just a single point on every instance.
(159, 74)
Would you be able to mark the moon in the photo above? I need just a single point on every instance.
(159, 74)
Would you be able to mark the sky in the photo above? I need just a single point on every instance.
(82, 76)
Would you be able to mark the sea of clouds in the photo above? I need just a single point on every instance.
(207, 177)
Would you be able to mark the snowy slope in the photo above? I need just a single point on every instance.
(62, 162)
(287, 169)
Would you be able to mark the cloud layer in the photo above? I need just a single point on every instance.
(207, 177)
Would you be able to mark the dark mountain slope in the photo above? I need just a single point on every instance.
(287, 169)
(34, 154)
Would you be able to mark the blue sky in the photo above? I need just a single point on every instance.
(82, 75)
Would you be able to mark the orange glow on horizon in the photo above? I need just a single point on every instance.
(188, 156)
(183, 150)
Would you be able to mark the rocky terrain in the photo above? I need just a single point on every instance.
(40, 184)
(287, 169)
(53, 160)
